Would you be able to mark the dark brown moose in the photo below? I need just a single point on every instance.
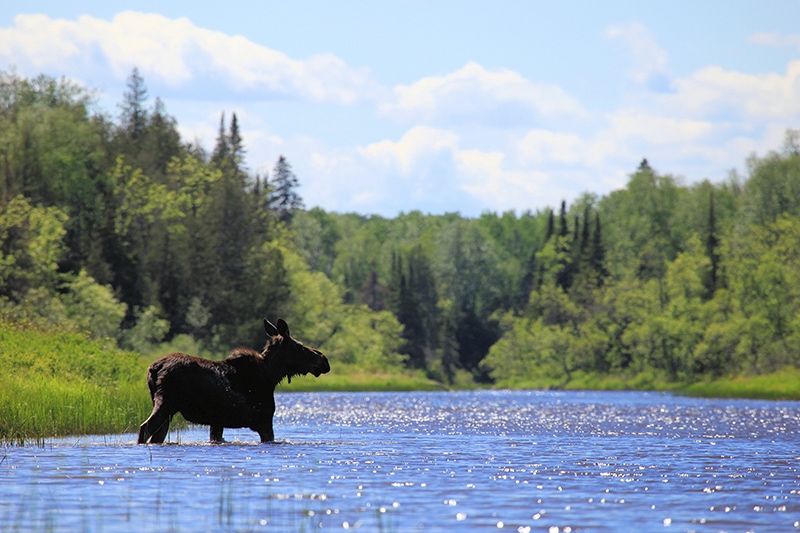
(234, 393)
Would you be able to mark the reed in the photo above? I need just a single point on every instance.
(33, 407)
(56, 384)
(781, 385)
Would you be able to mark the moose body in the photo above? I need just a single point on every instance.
(234, 393)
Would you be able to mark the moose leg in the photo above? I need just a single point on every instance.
(155, 428)
(161, 431)
(144, 433)
(216, 433)
(265, 432)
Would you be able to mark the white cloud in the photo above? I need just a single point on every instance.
(474, 94)
(179, 54)
(477, 138)
(487, 177)
(716, 92)
(417, 147)
(542, 146)
(648, 60)
(776, 39)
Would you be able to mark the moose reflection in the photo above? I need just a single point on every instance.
(234, 393)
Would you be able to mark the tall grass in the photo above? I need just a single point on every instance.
(781, 385)
(55, 384)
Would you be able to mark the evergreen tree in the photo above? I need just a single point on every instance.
(284, 198)
(221, 153)
(598, 253)
(550, 225)
(133, 112)
(712, 249)
(236, 146)
(162, 140)
(566, 270)
(373, 294)
(584, 244)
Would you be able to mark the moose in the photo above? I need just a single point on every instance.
(234, 393)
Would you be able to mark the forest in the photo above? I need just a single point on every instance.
(117, 228)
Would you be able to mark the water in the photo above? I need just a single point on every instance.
(488, 460)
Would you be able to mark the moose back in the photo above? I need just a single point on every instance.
(234, 393)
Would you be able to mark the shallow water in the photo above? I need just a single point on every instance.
(489, 460)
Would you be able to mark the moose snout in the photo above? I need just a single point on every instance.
(323, 367)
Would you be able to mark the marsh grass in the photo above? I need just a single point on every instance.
(57, 384)
(781, 385)
(35, 407)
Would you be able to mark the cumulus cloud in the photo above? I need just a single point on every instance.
(473, 94)
(717, 92)
(648, 60)
(417, 146)
(180, 55)
(776, 39)
(540, 146)
(475, 138)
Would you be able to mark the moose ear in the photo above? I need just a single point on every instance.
(270, 328)
(283, 328)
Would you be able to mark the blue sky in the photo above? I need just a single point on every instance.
(387, 107)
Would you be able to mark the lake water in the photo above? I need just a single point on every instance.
(431, 461)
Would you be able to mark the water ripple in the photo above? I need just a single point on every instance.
(514, 461)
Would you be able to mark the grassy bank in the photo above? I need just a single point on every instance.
(782, 385)
(55, 384)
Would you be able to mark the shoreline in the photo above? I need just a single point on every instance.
(783, 385)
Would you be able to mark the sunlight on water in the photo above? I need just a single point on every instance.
(510, 461)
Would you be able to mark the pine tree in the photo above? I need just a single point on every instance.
(236, 146)
(283, 195)
(566, 272)
(550, 225)
(133, 113)
(221, 149)
(162, 141)
(712, 249)
(598, 252)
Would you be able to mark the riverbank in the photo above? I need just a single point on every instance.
(58, 384)
(781, 385)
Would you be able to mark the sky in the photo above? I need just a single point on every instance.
(442, 106)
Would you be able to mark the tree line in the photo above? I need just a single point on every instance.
(659, 279)
(118, 227)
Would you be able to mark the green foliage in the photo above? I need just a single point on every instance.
(93, 307)
(693, 296)
(149, 331)
(351, 333)
(31, 243)
(121, 230)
